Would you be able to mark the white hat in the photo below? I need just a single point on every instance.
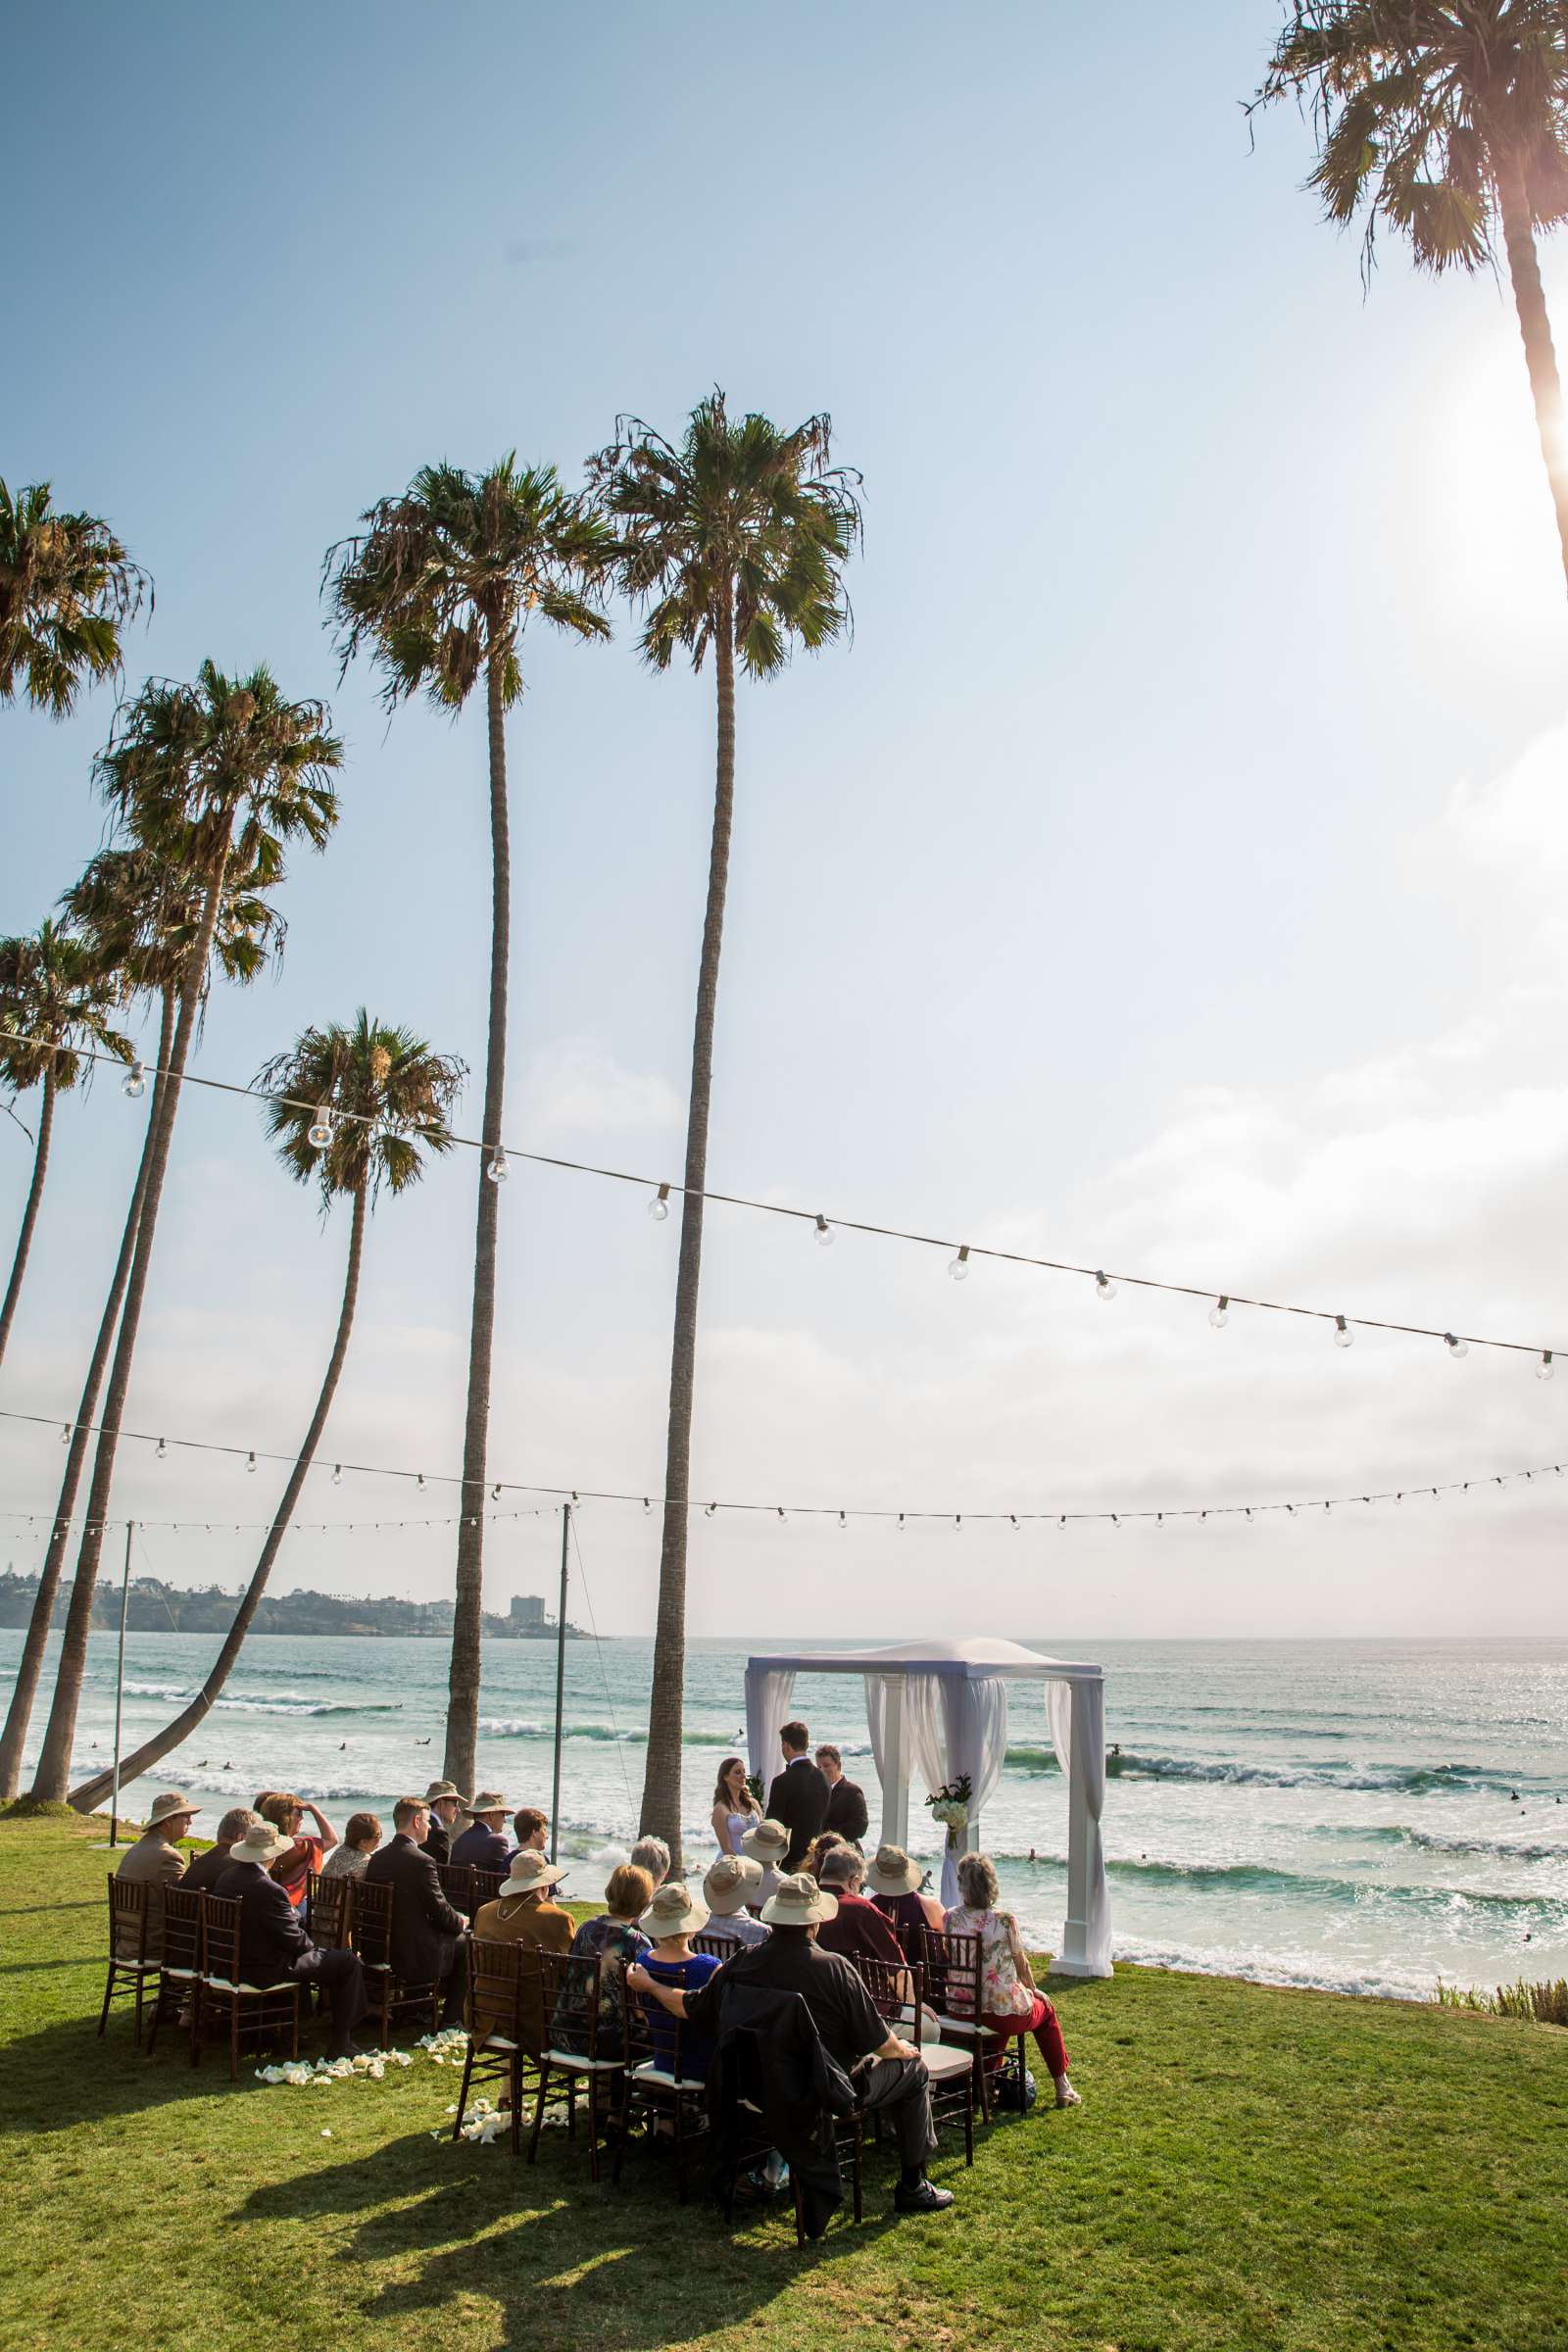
(260, 1844)
(672, 1912)
(891, 1871)
(799, 1902)
(730, 1884)
(528, 1872)
(768, 1843)
(164, 1808)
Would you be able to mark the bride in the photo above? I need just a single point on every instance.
(735, 1810)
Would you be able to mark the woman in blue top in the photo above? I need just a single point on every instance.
(671, 1920)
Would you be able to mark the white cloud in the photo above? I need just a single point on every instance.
(575, 1087)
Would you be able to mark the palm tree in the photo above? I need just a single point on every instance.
(1447, 120)
(66, 590)
(222, 770)
(141, 912)
(389, 1097)
(439, 585)
(735, 539)
(55, 1002)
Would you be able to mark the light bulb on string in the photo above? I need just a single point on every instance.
(900, 1523)
(1219, 1314)
(65, 1433)
(421, 1482)
(495, 1492)
(712, 1508)
(648, 1508)
(250, 1463)
(1457, 1347)
(161, 1451)
(1344, 1335)
(321, 1127)
(843, 1522)
(659, 1205)
(1105, 1287)
(338, 1474)
(960, 1268)
(824, 1232)
(134, 1082)
(497, 1169)
(1544, 1368)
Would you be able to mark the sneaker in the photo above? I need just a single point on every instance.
(923, 2197)
(1066, 2097)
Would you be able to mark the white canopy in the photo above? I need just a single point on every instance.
(945, 1704)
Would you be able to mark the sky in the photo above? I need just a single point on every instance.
(1169, 876)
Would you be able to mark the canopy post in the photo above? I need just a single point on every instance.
(1085, 1872)
(894, 1769)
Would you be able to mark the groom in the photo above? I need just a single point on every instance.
(799, 1797)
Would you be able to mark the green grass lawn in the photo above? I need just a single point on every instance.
(1251, 2169)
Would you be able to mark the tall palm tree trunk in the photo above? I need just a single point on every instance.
(462, 1688)
(20, 1713)
(53, 1774)
(29, 1215)
(660, 1811)
(1541, 358)
(92, 1792)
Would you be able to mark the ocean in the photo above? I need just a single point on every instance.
(1363, 1816)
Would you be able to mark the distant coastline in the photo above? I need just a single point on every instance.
(155, 1607)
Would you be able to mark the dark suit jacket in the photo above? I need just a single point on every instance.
(482, 1848)
(425, 1926)
(438, 1845)
(205, 1872)
(798, 1799)
(272, 1941)
(846, 1810)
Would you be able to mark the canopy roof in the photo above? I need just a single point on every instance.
(975, 1658)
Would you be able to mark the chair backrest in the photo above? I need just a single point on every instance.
(221, 1918)
(495, 1990)
(457, 1885)
(182, 1929)
(721, 1947)
(371, 1923)
(487, 1885)
(571, 1990)
(954, 1965)
(328, 1906)
(127, 1918)
(896, 1988)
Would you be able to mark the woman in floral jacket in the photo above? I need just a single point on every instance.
(1008, 2001)
(615, 1939)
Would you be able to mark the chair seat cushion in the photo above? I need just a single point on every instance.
(945, 2064)
(494, 2042)
(957, 2025)
(256, 1991)
(137, 1968)
(574, 2061)
(648, 2071)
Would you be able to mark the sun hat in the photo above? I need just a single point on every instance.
(672, 1912)
(486, 1801)
(260, 1844)
(164, 1808)
(730, 1883)
(528, 1872)
(841, 1862)
(891, 1871)
(768, 1843)
(441, 1788)
(799, 1902)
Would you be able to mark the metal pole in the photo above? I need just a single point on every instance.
(120, 1688)
(561, 1675)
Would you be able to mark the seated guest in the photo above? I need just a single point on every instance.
(767, 1846)
(859, 1926)
(669, 1922)
(894, 1882)
(427, 1936)
(523, 1912)
(846, 1800)
(531, 1829)
(1008, 2001)
(156, 1862)
(272, 1944)
(822, 1845)
(300, 1855)
(445, 1805)
(205, 1872)
(616, 1939)
(652, 1854)
(735, 1810)
(896, 2085)
(481, 1847)
(731, 1883)
(361, 1837)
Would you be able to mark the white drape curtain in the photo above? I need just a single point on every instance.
(1088, 1765)
(877, 1686)
(769, 1691)
(976, 1713)
(1058, 1716)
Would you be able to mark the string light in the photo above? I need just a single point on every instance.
(421, 1482)
(1455, 1348)
(960, 1268)
(659, 1205)
(162, 1450)
(824, 1232)
(1105, 1287)
(1344, 1335)
(338, 1474)
(497, 1169)
(1219, 1314)
(134, 1082)
(321, 1134)
(250, 1463)
(495, 1493)
(1544, 1368)
(65, 1433)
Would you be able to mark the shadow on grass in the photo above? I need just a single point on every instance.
(64, 2075)
(458, 2221)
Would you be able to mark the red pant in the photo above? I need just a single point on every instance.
(1040, 2022)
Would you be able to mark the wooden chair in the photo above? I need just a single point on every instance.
(954, 1963)
(179, 1970)
(897, 1993)
(662, 2084)
(386, 1994)
(570, 1984)
(457, 1885)
(249, 2008)
(506, 2019)
(721, 1948)
(328, 1910)
(129, 1964)
(487, 1885)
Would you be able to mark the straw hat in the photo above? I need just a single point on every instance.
(768, 1843)
(488, 1801)
(672, 1912)
(442, 1788)
(529, 1872)
(260, 1844)
(799, 1902)
(890, 1872)
(164, 1808)
(730, 1884)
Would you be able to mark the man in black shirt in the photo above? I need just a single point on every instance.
(799, 1794)
(846, 1800)
(895, 2081)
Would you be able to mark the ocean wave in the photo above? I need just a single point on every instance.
(1416, 1780)
(521, 1726)
(1033, 1759)
(1305, 1972)
(1262, 1878)
(1511, 1850)
(287, 1703)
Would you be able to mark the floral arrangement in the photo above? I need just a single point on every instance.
(951, 1806)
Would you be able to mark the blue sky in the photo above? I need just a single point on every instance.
(1171, 867)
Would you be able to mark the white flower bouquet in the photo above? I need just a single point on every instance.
(951, 1806)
